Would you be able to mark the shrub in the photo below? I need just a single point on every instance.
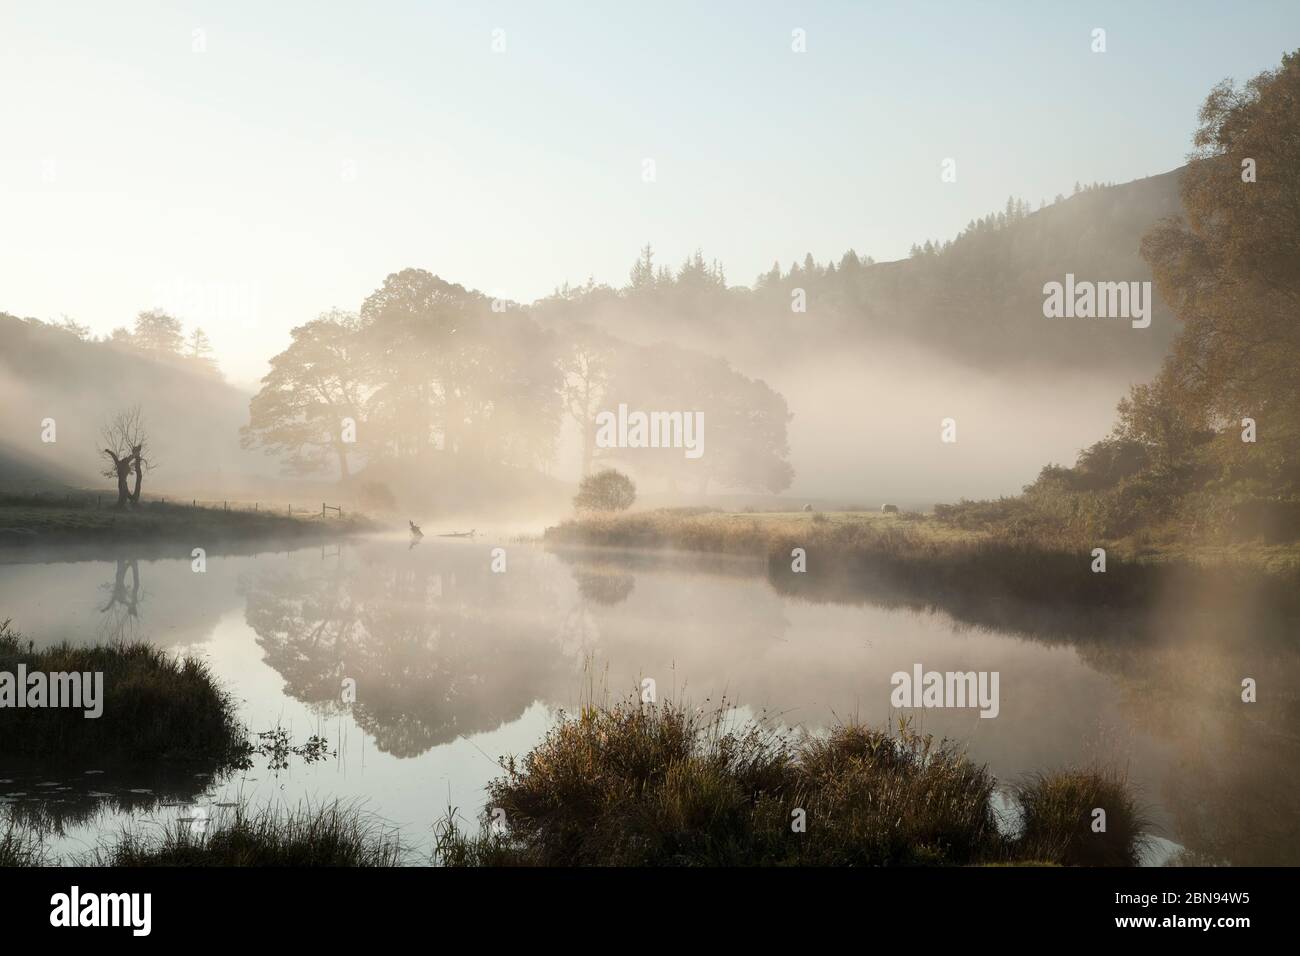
(607, 490)
(661, 784)
(1058, 819)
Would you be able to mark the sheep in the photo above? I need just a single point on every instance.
(889, 509)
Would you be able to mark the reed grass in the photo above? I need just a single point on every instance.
(155, 706)
(329, 835)
(637, 784)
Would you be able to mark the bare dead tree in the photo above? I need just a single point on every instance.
(126, 444)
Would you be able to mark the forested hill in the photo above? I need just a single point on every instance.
(976, 298)
(49, 372)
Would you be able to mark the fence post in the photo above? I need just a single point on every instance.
(322, 509)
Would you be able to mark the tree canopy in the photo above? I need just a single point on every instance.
(1231, 272)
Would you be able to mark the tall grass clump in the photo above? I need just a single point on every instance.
(661, 784)
(20, 846)
(1058, 813)
(333, 834)
(155, 706)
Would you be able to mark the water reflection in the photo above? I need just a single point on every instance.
(437, 649)
(441, 649)
(52, 800)
(121, 615)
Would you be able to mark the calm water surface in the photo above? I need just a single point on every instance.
(455, 666)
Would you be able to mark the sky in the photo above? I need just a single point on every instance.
(250, 165)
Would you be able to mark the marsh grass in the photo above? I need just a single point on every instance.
(1058, 819)
(21, 846)
(329, 835)
(155, 707)
(638, 784)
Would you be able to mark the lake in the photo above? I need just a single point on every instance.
(455, 665)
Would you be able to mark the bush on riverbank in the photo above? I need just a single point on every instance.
(154, 706)
(1060, 813)
(662, 785)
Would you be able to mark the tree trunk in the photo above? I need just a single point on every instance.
(122, 468)
(139, 474)
(344, 474)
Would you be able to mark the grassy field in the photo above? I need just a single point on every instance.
(23, 522)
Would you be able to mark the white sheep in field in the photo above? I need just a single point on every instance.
(889, 509)
(807, 507)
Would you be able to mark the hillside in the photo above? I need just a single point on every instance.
(48, 373)
(24, 473)
(976, 299)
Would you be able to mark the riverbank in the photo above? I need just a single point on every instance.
(26, 523)
(921, 560)
(635, 784)
(755, 533)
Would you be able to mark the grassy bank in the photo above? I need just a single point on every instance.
(960, 527)
(330, 835)
(24, 522)
(923, 561)
(752, 533)
(154, 707)
(662, 785)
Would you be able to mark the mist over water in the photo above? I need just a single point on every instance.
(700, 435)
(868, 426)
(456, 666)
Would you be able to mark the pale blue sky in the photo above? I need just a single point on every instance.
(315, 147)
